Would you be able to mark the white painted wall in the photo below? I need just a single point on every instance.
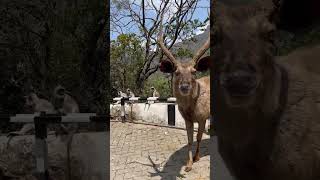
(153, 113)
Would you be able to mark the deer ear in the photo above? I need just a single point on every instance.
(203, 64)
(167, 66)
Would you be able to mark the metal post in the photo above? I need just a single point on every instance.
(41, 148)
(172, 114)
(123, 112)
(101, 121)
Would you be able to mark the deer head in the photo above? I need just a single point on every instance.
(243, 58)
(183, 73)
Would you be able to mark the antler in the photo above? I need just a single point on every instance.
(166, 51)
(201, 51)
(162, 46)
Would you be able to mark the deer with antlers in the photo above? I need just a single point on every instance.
(193, 95)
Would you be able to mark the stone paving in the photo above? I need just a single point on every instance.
(143, 152)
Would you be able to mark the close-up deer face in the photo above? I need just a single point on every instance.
(184, 74)
(242, 58)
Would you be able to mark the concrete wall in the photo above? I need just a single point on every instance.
(87, 163)
(153, 113)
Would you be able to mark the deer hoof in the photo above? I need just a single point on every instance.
(188, 168)
(196, 158)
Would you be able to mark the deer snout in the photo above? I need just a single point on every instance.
(185, 87)
(239, 77)
(239, 82)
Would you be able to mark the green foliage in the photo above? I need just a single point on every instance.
(65, 60)
(187, 28)
(48, 43)
(126, 58)
(182, 52)
(161, 83)
(290, 41)
(202, 74)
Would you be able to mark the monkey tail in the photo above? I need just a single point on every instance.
(8, 142)
(10, 136)
(69, 143)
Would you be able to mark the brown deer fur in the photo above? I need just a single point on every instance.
(193, 95)
(266, 120)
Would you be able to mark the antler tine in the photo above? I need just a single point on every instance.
(161, 44)
(201, 51)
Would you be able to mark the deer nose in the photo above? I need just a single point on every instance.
(184, 86)
(239, 77)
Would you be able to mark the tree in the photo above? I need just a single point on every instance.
(143, 17)
(126, 55)
(50, 42)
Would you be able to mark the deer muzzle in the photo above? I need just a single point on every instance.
(239, 83)
(185, 87)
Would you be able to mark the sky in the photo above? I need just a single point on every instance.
(200, 13)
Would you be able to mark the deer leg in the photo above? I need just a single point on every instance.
(189, 127)
(201, 128)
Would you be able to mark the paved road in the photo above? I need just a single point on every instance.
(145, 152)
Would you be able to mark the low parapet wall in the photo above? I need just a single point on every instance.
(89, 157)
(156, 113)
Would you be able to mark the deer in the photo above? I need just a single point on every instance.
(266, 116)
(193, 95)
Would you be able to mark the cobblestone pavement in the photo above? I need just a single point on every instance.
(148, 152)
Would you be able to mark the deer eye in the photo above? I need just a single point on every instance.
(177, 73)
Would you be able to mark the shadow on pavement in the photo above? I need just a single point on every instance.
(171, 169)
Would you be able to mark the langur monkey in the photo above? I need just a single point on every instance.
(64, 104)
(121, 94)
(155, 93)
(36, 105)
(130, 93)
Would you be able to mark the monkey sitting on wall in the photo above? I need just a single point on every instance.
(122, 94)
(35, 105)
(64, 104)
(155, 93)
(130, 93)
